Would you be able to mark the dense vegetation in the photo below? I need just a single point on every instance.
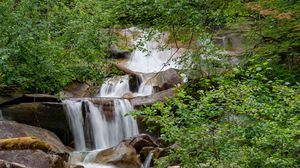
(46, 44)
(247, 116)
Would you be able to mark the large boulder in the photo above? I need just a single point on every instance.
(31, 158)
(48, 115)
(11, 129)
(166, 79)
(122, 156)
(77, 89)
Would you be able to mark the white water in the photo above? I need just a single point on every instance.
(74, 113)
(146, 87)
(150, 57)
(115, 87)
(104, 134)
(95, 129)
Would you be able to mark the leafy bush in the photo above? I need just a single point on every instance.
(241, 123)
(46, 44)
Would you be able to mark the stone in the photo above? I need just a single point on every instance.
(7, 164)
(140, 141)
(48, 115)
(122, 156)
(24, 143)
(167, 79)
(11, 129)
(32, 158)
(148, 100)
(156, 151)
(116, 53)
(76, 89)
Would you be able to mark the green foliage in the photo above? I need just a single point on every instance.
(240, 123)
(46, 44)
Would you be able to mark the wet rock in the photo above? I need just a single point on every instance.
(10, 129)
(122, 156)
(140, 141)
(48, 115)
(32, 158)
(156, 151)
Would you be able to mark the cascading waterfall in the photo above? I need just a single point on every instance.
(96, 128)
(92, 126)
(115, 87)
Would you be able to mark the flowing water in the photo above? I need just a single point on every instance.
(93, 127)
(115, 87)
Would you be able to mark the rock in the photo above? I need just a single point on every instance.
(231, 41)
(48, 115)
(148, 100)
(10, 129)
(123, 156)
(167, 79)
(128, 95)
(24, 143)
(116, 53)
(156, 151)
(76, 89)
(7, 164)
(32, 158)
(140, 141)
(15, 98)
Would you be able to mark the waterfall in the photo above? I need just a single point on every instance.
(95, 128)
(100, 126)
(75, 119)
(145, 88)
(115, 87)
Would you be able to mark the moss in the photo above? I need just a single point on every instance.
(22, 143)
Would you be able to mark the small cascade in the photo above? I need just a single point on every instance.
(92, 130)
(146, 87)
(148, 160)
(115, 87)
(74, 113)
(151, 57)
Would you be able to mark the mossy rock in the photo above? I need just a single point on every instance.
(23, 143)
